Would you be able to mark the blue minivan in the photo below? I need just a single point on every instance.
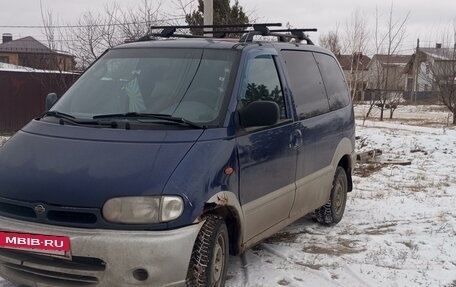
(168, 155)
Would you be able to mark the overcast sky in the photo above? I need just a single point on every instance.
(427, 20)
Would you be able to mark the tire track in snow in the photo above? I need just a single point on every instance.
(355, 276)
(326, 276)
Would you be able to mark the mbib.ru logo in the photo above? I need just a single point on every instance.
(34, 241)
(31, 242)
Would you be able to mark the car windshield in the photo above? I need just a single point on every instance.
(191, 84)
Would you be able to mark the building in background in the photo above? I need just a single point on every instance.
(29, 52)
(428, 72)
(387, 77)
(355, 68)
(387, 72)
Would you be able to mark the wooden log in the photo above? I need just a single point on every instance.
(394, 161)
(368, 155)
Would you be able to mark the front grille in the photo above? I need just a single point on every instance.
(17, 210)
(50, 214)
(80, 271)
(72, 217)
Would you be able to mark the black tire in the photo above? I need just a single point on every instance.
(333, 211)
(210, 255)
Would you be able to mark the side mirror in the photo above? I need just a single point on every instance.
(259, 113)
(51, 99)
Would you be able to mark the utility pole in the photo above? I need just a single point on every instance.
(208, 13)
(416, 66)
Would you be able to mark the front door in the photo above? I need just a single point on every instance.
(267, 157)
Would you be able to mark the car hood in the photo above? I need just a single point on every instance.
(83, 167)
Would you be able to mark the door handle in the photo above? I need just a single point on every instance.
(295, 140)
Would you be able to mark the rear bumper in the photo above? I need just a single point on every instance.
(101, 257)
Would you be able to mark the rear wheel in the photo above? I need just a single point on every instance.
(333, 211)
(209, 259)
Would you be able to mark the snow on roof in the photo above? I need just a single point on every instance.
(439, 53)
(4, 67)
(393, 59)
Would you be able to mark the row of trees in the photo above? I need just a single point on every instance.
(94, 32)
(385, 38)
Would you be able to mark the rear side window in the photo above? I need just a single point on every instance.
(306, 83)
(336, 87)
(262, 83)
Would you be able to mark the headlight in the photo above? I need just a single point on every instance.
(143, 210)
(171, 208)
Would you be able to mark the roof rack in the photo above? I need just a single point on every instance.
(297, 34)
(283, 35)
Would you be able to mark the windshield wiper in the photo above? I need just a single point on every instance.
(72, 119)
(58, 115)
(139, 116)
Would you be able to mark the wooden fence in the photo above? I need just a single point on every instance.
(22, 95)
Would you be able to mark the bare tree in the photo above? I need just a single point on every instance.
(48, 24)
(387, 74)
(96, 32)
(183, 7)
(356, 33)
(356, 44)
(53, 61)
(89, 38)
(136, 23)
(440, 69)
(445, 81)
(331, 41)
(109, 29)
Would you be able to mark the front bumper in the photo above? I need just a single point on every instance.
(101, 257)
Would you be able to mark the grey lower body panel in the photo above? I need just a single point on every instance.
(101, 257)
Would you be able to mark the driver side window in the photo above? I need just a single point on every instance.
(261, 83)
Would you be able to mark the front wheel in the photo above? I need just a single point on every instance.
(210, 255)
(333, 211)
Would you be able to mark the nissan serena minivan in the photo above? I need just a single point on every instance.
(169, 154)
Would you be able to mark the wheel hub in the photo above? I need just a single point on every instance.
(339, 197)
(218, 260)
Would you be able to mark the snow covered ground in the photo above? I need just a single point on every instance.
(422, 115)
(399, 227)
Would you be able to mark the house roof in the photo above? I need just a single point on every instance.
(392, 59)
(349, 61)
(25, 45)
(439, 53)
